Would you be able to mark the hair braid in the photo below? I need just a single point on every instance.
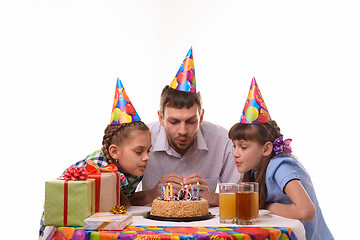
(109, 133)
(116, 134)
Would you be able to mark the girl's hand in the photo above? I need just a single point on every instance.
(302, 207)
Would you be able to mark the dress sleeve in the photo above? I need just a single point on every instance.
(285, 172)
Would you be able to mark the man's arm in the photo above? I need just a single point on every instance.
(142, 198)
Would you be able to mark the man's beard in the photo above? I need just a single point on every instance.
(179, 149)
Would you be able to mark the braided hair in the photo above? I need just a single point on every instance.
(116, 134)
(261, 133)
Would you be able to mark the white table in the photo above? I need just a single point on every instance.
(266, 220)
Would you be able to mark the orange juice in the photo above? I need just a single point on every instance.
(227, 207)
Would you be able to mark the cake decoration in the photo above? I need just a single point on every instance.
(185, 77)
(255, 110)
(184, 193)
(122, 111)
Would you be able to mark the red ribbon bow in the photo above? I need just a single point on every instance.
(75, 174)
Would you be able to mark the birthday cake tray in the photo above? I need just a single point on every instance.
(180, 219)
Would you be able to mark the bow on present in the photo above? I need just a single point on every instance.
(75, 174)
(118, 209)
(92, 167)
(282, 146)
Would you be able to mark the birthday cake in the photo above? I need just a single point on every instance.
(181, 205)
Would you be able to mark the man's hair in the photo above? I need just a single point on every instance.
(179, 99)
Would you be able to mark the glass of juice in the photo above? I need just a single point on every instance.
(227, 199)
(244, 203)
(256, 200)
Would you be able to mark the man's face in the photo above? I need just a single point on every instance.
(181, 126)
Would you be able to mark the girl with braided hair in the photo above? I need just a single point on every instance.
(261, 155)
(126, 144)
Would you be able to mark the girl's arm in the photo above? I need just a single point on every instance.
(302, 207)
(124, 201)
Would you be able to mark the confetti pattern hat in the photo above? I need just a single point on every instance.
(185, 77)
(122, 111)
(255, 110)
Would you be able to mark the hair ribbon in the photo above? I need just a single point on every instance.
(281, 145)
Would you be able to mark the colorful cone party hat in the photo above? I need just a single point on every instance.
(185, 77)
(255, 110)
(122, 111)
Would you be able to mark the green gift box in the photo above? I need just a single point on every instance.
(69, 203)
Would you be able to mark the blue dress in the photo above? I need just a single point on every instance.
(282, 169)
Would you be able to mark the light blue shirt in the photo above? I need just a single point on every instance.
(282, 169)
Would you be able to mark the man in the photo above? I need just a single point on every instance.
(185, 149)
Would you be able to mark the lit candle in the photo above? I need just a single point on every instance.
(167, 192)
(162, 192)
(197, 193)
(171, 190)
(192, 192)
(186, 191)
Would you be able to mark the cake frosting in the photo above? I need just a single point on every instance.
(179, 209)
(181, 205)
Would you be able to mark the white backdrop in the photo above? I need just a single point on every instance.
(59, 61)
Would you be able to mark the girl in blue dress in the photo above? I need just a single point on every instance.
(262, 155)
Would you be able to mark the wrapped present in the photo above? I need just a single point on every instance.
(69, 202)
(107, 185)
(107, 221)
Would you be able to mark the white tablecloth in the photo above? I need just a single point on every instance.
(266, 220)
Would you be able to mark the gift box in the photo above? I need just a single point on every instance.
(107, 221)
(107, 185)
(68, 203)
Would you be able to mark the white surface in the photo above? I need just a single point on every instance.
(59, 61)
(265, 220)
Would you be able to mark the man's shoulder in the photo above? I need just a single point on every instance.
(213, 129)
(154, 127)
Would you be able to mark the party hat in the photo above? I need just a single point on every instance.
(185, 77)
(255, 110)
(122, 111)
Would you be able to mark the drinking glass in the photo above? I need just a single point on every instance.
(244, 203)
(227, 199)
(256, 200)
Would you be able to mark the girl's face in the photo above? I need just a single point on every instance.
(133, 154)
(247, 155)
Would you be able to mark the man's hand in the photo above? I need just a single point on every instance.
(173, 178)
(147, 196)
(193, 179)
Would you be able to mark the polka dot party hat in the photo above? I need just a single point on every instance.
(255, 110)
(185, 77)
(122, 111)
